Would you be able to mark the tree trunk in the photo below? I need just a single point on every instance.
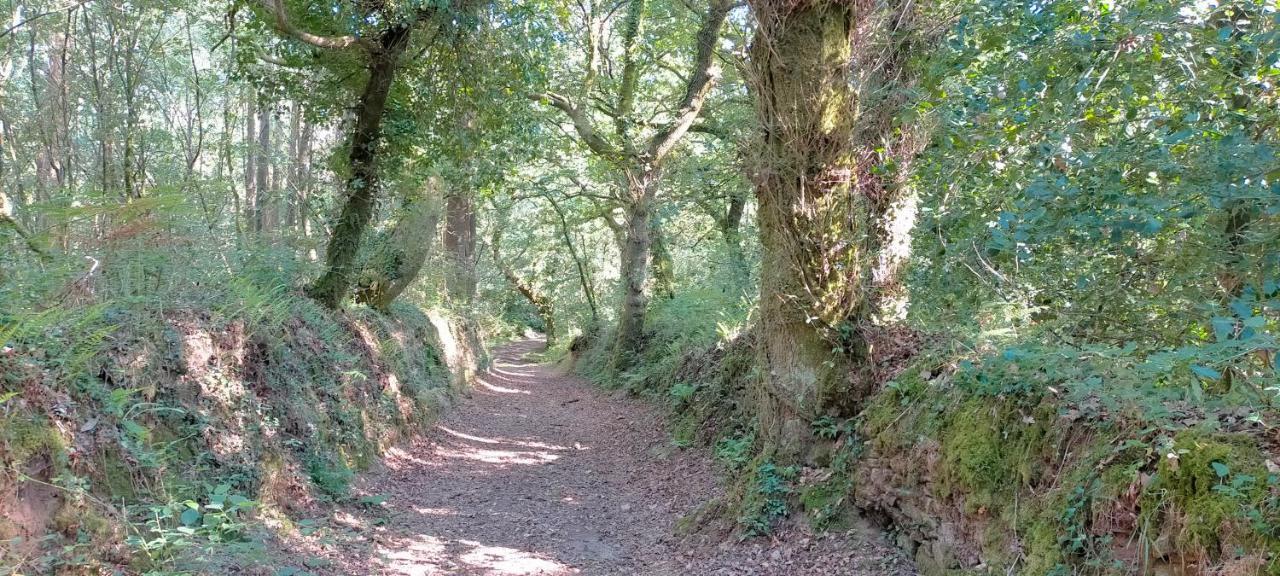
(584, 278)
(295, 167)
(460, 247)
(399, 254)
(635, 267)
(540, 301)
(731, 232)
(362, 185)
(810, 222)
(250, 161)
(664, 275)
(262, 180)
(305, 184)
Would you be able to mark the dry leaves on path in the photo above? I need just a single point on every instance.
(542, 473)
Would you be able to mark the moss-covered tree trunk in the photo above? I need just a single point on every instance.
(664, 273)
(811, 222)
(634, 271)
(460, 247)
(362, 184)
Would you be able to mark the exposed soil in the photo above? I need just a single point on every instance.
(542, 473)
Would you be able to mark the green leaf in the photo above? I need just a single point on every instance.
(1206, 372)
(190, 517)
(136, 430)
(1223, 327)
(1220, 469)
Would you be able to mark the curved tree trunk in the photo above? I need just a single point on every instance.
(362, 186)
(399, 254)
(584, 277)
(540, 301)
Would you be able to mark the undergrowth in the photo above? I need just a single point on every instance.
(142, 427)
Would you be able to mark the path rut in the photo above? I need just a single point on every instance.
(542, 473)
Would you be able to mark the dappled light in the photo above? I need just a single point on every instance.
(640, 287)
(432, 556)
(497, 456)
(521, 443)
(487, 384)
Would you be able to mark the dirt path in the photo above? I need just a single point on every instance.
(539, 473)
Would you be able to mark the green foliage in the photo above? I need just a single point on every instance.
(332, 478)
(766, 500)
(737, 450)
(1100, 207)
(681, 393)
(164, 531)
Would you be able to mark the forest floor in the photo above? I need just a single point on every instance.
(537, 472)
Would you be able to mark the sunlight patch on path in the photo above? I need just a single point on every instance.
(520, 443)
(498, 456)
(430, 556)
(498, 370)
(484, 383)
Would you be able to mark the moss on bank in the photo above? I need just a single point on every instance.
(262, 393)
(1023, 483)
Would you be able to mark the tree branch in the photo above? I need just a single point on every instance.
(276, 7)
(704, 76)
(581, 124)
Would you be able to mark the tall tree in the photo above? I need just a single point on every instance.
(637, 155)
(800, 69)
(381, 51)
(831, 229)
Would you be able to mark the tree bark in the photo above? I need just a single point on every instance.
(540, 301)
(460, 247)
(730, 225)
(811, 264)
(664, 278)
(262, 179)
(634, 271)
(251, 161)
(362, 185)
(295, 167)
(399, 255)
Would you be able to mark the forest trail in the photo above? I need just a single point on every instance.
(542, 473)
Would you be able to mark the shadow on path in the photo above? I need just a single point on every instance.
(536, 473)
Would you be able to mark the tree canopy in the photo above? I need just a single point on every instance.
(831, 232)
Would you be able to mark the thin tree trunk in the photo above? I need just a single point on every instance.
(731, 232)
(540, 301)
(262, 180)
(362, 185)
(304, 198)
(295, 168)
(251, 162)
(584, 277)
